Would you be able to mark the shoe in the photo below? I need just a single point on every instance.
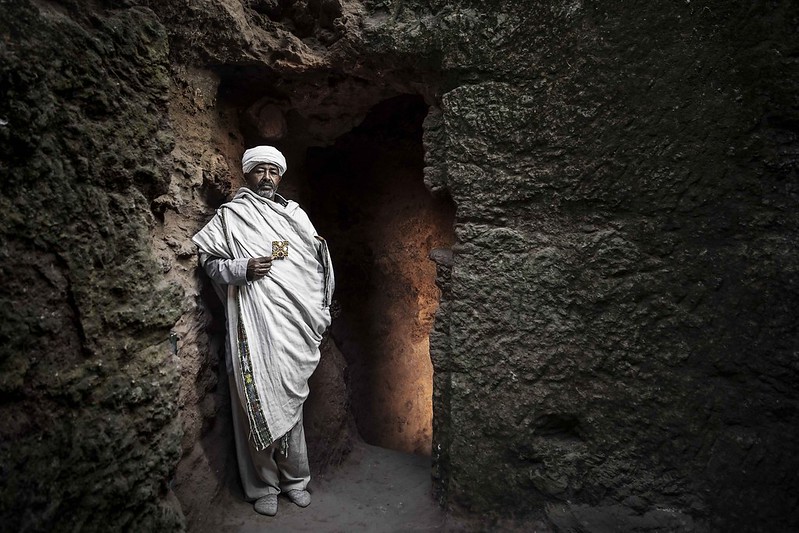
(299, 497)
(266, 505)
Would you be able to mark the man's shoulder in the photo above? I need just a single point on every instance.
(296, 209)
(246, 199)
(238, 197)
(289, 205)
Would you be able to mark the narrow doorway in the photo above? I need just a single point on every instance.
(369, 201)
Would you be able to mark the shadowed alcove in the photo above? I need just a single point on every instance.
(358, 172)
(370, 202)
(356, 163)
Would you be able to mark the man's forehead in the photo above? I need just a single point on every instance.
(266, 165)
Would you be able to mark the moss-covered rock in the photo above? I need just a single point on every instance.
(88, 388)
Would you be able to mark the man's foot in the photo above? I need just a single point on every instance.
(300, 497)
(267, 505)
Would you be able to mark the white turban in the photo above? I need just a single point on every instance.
(263, 154)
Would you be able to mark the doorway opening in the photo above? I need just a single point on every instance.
(367, 198)
(356, 164)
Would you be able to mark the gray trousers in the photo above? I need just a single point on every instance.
(268, 471)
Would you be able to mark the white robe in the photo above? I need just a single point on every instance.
(275, 324)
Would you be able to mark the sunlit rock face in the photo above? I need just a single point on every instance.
(615, 345)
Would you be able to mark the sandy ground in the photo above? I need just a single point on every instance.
(373, 490)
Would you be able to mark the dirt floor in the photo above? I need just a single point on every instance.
(375, 489)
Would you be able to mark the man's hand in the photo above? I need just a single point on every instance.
(258, 267)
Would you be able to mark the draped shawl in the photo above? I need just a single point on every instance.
(275, 324)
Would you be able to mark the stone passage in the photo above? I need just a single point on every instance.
(358, 171)
(381, 222)
(356, 166)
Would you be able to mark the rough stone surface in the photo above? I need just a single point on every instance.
(618, 328)
(90, 436)
(616, 346)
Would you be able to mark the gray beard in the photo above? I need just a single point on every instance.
(266, 189)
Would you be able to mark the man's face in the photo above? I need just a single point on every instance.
(264, 179)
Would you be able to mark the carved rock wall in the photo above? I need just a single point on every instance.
(617, 344)
(616, 347)
(89, 436)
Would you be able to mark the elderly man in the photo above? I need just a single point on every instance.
(278, 278)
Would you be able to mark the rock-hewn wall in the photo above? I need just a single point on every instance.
(618, 341)
(89, 437)
(617, 345)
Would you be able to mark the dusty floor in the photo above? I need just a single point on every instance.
(373, 490)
